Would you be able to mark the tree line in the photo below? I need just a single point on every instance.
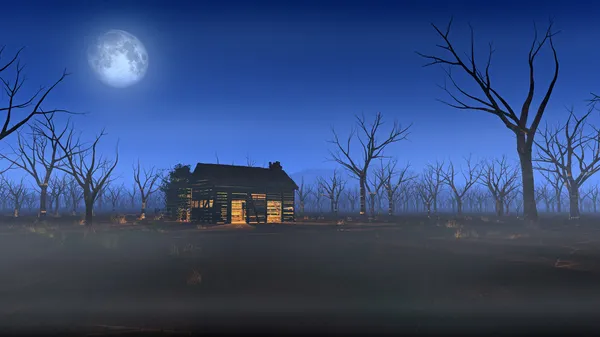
(567, 154)
(491, 185)
(66, 171)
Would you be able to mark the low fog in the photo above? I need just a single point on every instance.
(95, 244)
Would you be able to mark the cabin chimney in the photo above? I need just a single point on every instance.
(275, 166)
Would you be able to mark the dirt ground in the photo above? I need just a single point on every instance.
(412, 276)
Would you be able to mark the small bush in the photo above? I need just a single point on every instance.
(459, 234)
(118, 219)
(452, 224)
(463, 234)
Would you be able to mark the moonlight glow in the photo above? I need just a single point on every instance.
(118, 58)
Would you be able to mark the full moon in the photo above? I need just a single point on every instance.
(118, 58)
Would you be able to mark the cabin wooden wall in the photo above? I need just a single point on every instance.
(256, 204)
(256, 211)
(288, 205)
(204, 192)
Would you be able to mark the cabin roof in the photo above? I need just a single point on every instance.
(244, 176)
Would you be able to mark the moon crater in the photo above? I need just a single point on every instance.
(118, 58)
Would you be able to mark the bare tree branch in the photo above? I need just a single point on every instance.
(488, 99)
(146, 184)
(371, 147)
(562, 152)
(90, 170)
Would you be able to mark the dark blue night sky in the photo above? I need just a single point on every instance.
(268, 79)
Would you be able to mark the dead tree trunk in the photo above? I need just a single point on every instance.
(372, 148)
(524, 150)
(487, 99)
(43, 199)
(574, 212)
(89, 210)
(363, 194)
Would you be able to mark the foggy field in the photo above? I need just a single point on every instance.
(415, 276)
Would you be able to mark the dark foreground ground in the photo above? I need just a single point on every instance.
(412, 278)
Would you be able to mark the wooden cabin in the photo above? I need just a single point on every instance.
(230, 194)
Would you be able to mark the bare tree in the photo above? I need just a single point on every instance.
(29, 199)
(114, 195)
(146, 184)
(160, 199)
(163, 199)
(352, 196)
(557, 184)
(408, 192)
(434, 178)
(564, 147)
(303, 192)
(17, 191)
(480, 198)
(510, 199)
(100, 198)
(374, 186)
(40, 156)
(470, 177)
(592, 194)
(371, 149)
(333, 188)
(469, 199)
(318, 194)
(544, 194)
(392, 179)
(428, 186)
(250, 162)
(90, 171)
(56, 188)
(32, 104)
(3, 196)
(74, 192)
(489, 100)
(424, 189)
(500, 179)
(132, 193)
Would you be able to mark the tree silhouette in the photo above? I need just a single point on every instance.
(371, 148)
(18, 192)
(90, 170)
(114, 195)
(392, 179)
(146, 183)
(470, 176)
(491, 101)
(333, 188)
(40, 155)
(567, 149)
(432, 180)
(500, 179)
(303, 192)
(32, 104)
